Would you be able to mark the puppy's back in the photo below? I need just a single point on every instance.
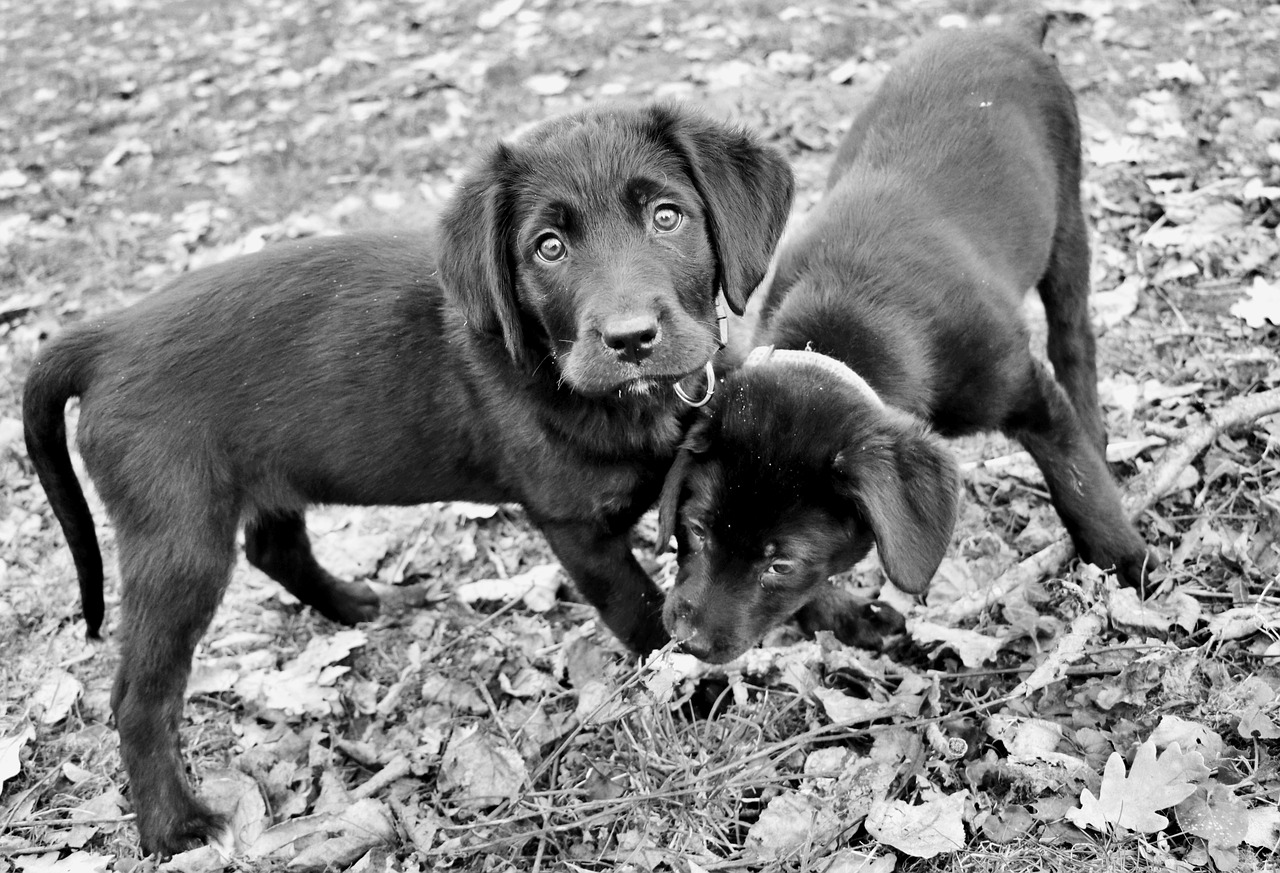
(945, 95)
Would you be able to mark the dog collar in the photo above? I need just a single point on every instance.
(817, 361)
(722, 323)
(707, 394)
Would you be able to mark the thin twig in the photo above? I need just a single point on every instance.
(1140, 495)
(67, 822)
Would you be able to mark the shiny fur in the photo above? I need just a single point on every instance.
(955, 191)
(401, 369)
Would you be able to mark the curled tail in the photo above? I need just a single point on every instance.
(60, 372)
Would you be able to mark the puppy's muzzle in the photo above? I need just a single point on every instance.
(685, 631)
(632, 338)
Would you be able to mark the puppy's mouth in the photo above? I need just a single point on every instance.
(639, 385)
(651, 384)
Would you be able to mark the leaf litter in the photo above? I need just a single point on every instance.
(1032, 710)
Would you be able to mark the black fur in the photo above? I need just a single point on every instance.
(387, 369)
(955, 191)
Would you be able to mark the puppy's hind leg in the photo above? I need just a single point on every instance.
(277, 544)
(1064, 289)
(1080, 485)
(173, 572)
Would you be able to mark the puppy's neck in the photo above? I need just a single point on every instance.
(859, 327)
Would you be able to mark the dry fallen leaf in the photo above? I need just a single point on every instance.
(11, 751)
(1133, 801)
(974, 648)
(1261, 305)
(536, 586)
(58, 691)
(54, 862)
(480, 769)
(924, 830)
(792, 821)
(1215, 814)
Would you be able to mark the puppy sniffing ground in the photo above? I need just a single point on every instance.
(898, 305)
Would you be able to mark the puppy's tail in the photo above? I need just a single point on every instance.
(60, 372)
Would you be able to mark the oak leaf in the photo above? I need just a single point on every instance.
(1133, 801)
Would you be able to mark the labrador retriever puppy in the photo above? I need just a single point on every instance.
(526, 354)
(895, 316)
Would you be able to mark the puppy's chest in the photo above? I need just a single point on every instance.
(605, 468)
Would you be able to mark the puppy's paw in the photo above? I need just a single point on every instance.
(1134, 571)
(350, 602)
(867, 624)
(190, 827)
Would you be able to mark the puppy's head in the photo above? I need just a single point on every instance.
(600, 239)
(792, 478)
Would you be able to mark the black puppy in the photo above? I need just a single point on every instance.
(528, 357)
(956, 190)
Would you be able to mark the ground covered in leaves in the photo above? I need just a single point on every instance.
(1033, 716)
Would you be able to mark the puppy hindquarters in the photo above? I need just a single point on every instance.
(1080, 485)
(277, 544)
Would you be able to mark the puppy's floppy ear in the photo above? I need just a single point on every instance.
(475, 259)
(746, 188)
(907, 486)
(695, 443)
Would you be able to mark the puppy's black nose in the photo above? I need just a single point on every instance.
(697, 647)
(632, 337)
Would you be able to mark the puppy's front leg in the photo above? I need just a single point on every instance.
(601, 565)
(855, 622)
(1080, 484)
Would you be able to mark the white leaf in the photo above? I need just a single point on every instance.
(236, 795)
(1028, 737)
(843, 709)
(482, 769)
(547, 84)
(10, 753)
(1180, 70)
(1264, 828)
(76, 862)
(791, 821)
(1261, 306)
(498, 13)
(1243, 621)
(922, 831)
(304, 684)
(1189, 735)
(537, 587)
(974, 648)
(1112, 308)
(55, 696)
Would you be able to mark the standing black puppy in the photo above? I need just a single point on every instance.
(528, 357)
(955, 191)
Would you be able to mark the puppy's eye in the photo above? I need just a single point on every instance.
(781, 567)
(697, 535)
(551, 248)
(667, 218)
